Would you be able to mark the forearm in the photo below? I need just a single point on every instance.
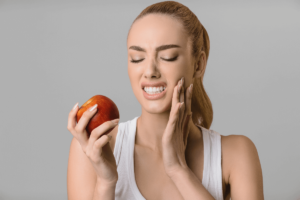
(104, 192)
(190, 186)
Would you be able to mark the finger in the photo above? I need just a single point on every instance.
(188, 113)
(182, 99)
(72, 118)
(72, 127)
(98, 145)
(102, 129)
(176, 93)
(175, 100)
(172, 122)
(186, 128)
(85, 118)
(181, 95)
(188, 101)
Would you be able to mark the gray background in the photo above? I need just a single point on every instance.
(56, 53)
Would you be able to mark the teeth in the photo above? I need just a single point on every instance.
(154, 90)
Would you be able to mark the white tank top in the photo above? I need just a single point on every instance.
(126, 188)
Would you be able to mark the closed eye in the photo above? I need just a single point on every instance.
(137, 61)
(171, 59)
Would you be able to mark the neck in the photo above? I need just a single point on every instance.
(151, 127)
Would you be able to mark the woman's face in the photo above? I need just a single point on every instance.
(158, 53)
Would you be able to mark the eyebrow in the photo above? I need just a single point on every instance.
(160, 48)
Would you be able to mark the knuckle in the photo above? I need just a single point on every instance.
(71, 114)
(85, 116)
(106, 125)
(69, 128)
(113, 124)
(86, 113)
(78, 129)
(93, 132)
(98, 145)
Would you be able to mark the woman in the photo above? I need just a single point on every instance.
(168, 152)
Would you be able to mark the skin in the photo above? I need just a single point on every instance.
(241, 169)
(150, 32)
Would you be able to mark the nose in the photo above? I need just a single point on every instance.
(151, 70)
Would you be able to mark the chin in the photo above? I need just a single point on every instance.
(157, 107)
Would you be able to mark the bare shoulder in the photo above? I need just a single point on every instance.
(81, 173)
(237, 149)
(241, 167)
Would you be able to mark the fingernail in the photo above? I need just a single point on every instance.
(75, 106)
(181, 104)
(182, 79)
(115, 121)
(93, 108)
(191, 88)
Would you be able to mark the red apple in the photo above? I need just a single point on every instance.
(106, 111)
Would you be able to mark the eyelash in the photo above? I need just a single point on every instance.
(170, 60)
(137, 61)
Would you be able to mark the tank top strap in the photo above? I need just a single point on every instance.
(207, 157)
(126, 187)
(119, 142)
(130, 157)
(212, 171)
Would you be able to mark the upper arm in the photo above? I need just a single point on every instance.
(81, 176)
(245, 173)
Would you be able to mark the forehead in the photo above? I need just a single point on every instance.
(156, 29)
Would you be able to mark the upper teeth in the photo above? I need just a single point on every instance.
(154, 89)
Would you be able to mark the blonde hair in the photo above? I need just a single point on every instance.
(201, 104)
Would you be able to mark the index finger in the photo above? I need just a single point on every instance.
(72, 119)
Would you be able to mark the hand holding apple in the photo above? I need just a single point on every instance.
(106, 111)
(96, 144)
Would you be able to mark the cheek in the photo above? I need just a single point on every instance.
(176, 70)
(132, 72)
(134, 77)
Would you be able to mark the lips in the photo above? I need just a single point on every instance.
(154, 84)
(154, 96)
(149, 84)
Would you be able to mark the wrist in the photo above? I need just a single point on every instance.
(179, 172)
(103, 185)
(104, 191)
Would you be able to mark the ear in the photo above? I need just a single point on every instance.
(200, 65)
